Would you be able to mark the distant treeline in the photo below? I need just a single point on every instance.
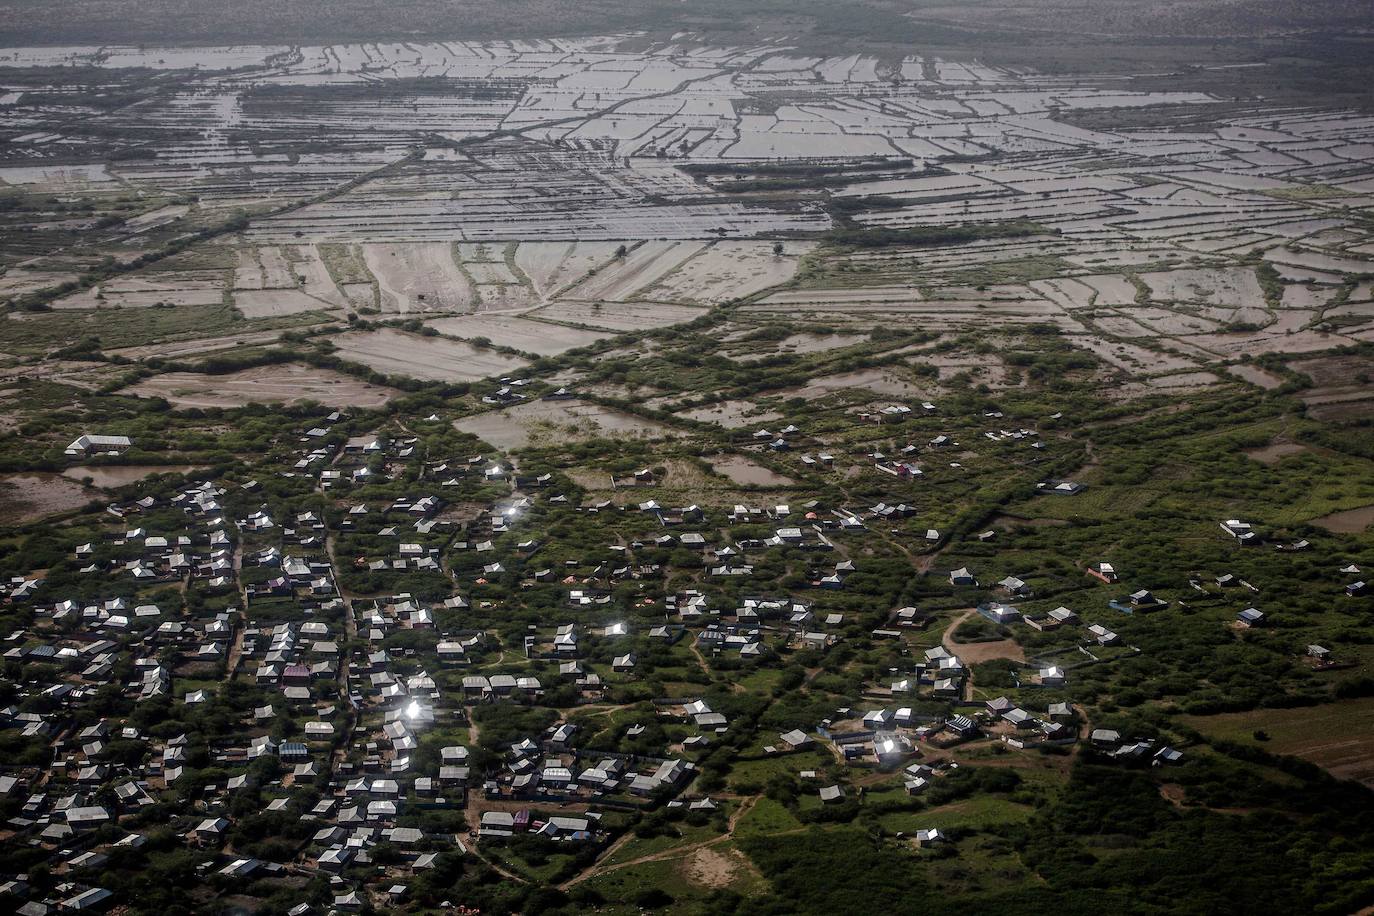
(930, 236)
(794, 169)
(495, 88)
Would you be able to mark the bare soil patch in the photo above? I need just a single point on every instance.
(709, 867)
(1275, 452)
(975, 652)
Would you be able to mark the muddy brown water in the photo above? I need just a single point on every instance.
(119, 475)
(1350, 521)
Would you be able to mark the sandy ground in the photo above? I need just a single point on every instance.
(710, 867)
(1276, 452)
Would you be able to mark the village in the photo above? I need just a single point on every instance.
(635, 472)
(384, 647)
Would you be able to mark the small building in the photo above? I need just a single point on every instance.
(87, 444)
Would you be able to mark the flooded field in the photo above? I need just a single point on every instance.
(289, 383)
(610, 198)
(1257, 376)
(745, 472)
(618, 316)
(732, 414)
(804, 343)
(532, 336)
(29, 497)
(1351, 521)
(390, 351)
(547, 422)
(877, 381)
(113, 476)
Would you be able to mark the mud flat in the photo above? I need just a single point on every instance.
(1351, 521)
(877, 381)
(288, 384)
(1256, 376)
(732, 414)
(808, 343)
(1230, 286)
(619, 316)
(419, 277)
(748, 473)
(271, 303)
(551, 266)
(729, 270)
(114, 476)
(541, 422)
(148, 289)
(29, 497)
(521, 333)
(179, 348)
(434, 359)
(640, 269)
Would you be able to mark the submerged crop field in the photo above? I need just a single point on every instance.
(742, 468)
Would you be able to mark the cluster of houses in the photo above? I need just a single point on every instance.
(349, 693)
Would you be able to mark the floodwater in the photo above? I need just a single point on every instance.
(748, 473)
(114, 476)
(543, 422)
(1351, 521)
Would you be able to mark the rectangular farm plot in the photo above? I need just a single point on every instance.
(729, 270)
(549, 421)
(290, 383)
(434, 359)
(626, 278)
(619, 316)
(149, 288)
(268, 303)
(1227, 286)
(419, 277)
(552, 266)
(526, 334)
